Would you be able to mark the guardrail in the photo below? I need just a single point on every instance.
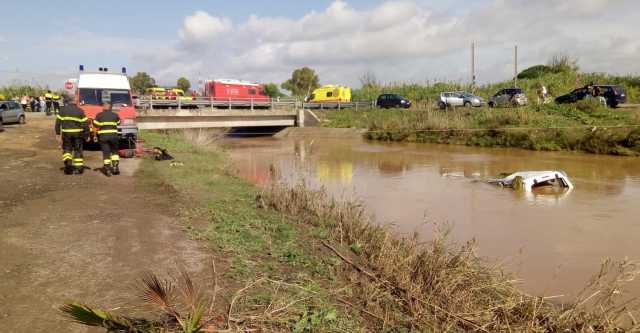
(147, 102)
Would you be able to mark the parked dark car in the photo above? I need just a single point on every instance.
(393, 101)
(614, 95)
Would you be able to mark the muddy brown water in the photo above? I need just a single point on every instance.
(553, 241)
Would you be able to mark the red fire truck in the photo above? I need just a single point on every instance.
(234, 90)
(95, 88)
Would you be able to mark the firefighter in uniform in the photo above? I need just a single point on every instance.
(55, 100)
(107, 123)
(72, 124)
(48, 97)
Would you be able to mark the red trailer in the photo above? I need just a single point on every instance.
(234, 90)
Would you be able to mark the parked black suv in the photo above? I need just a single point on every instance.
(614, 95)
(393, 101)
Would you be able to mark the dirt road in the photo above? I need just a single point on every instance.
(81, 237)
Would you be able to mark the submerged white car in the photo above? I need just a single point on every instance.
(528, 180)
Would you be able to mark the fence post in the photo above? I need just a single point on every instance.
(252, 104)
(338, 105)
(211, 100)
(151, 103)
(229, 103)
(179, 103)
(356, 106)
(301, 117)
(271, 104)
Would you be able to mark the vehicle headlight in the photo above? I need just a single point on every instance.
(403, 102)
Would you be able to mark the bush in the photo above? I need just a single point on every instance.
(588, 105)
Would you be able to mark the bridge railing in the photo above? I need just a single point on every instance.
(293, 104)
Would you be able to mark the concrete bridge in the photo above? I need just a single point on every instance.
(213, 118)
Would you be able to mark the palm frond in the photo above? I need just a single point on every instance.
(188, 291)
(85, 315)
(158, 292)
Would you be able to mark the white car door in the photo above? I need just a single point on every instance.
(15, 109)
(456, 99)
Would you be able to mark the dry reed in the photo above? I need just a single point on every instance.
(435, 286)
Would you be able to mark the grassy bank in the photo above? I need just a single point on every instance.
(583, 127)
(293, 259)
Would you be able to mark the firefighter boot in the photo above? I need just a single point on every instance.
(68, 168)
(106, 170)
(78, 170)
(116, 167)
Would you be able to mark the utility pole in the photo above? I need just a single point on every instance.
(473, 66)
(515, 68)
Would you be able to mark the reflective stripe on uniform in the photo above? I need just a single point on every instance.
(115, 157)
(107, 162)
(106, 123)
(72, 130)
(66, 156)
(108, 131)
(76, 119)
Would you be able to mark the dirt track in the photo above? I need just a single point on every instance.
(85, 238)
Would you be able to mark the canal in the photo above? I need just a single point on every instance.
(553, 240)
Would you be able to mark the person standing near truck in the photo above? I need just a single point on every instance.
(72, 129)
(107, 123)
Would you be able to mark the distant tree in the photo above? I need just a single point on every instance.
(272, 90)
(560, 63)
(369, 80)
(141, 82)
(302, 82)
(183, 84)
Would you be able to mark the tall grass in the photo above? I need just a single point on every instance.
(12, 91)
(407, 285)
(585, 126)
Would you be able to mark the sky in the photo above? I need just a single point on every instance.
(43, 42)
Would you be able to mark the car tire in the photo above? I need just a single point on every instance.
(492, 105)
(442, 106)
(467, 104)
(22, 120)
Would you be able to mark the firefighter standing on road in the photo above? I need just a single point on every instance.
(73, 125)
(107, 123)
(48, 97)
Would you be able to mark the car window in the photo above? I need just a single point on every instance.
(3, 107)
(14, 106)
(330, 94)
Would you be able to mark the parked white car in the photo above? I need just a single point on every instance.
(459, 98)
(12, 112)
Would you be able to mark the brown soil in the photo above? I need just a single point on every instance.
(82, 238)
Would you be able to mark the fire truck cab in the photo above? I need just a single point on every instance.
(94, 89)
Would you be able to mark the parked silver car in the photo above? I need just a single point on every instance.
(459, 98)
(513, 97)
(12, 112)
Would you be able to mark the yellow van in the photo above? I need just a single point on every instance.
(331, 93)
(177, 93)
(157, 93)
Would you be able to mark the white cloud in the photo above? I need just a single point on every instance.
(203, 28)
(403, 41)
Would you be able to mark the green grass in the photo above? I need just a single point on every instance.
(258, 244)
(582, 127)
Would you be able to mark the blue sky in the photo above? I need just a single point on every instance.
(46, 40)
